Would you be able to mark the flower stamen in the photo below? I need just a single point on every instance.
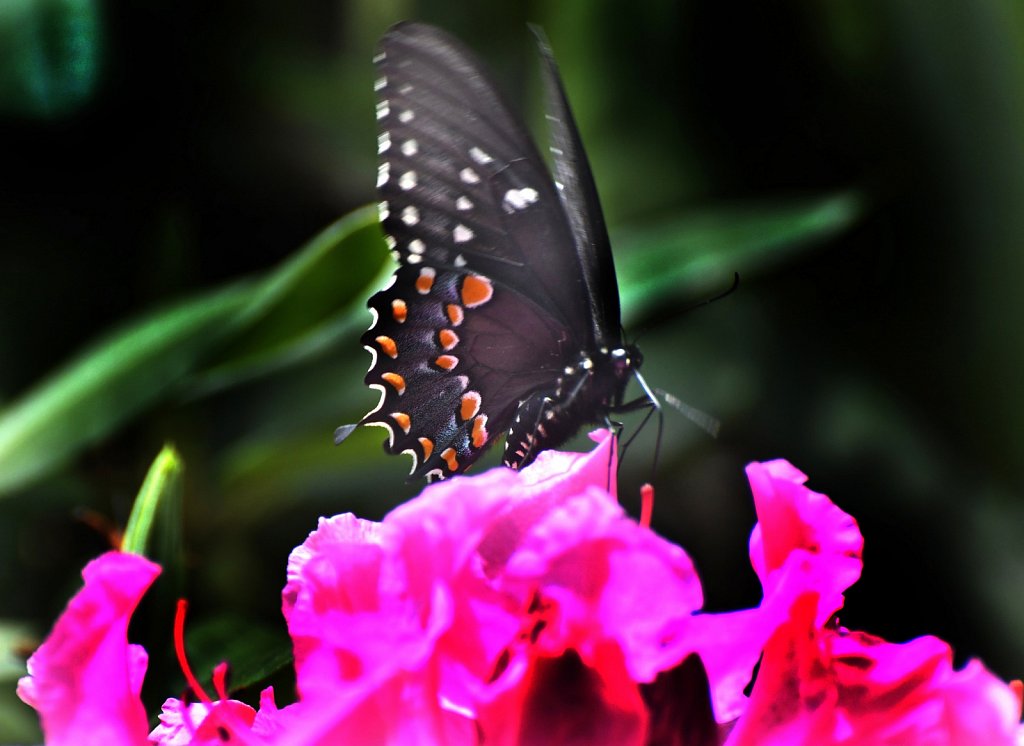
(646, 504)
(228, 726)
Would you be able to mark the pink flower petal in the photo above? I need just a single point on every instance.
(798, 524)
(201, 724)
(562, 700)
(453, 599)
(85, 679)
(828, 686)
(802, 543)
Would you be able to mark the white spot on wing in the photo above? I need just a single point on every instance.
(383, 142)
(479, 156)
(379, 57)
(460, 261)
(408, 180)
(383, 393)
(461, 234)
(410, 215)
(414, 259)
(380, 83)
(382, 210)
(405, 89)
(390, 241)
(383, 109)
(415, 459)
(463, 203)
(519, 199)
(410, 148)
(386, 426)
(383, 174)
(373, 358)
(469, 176)
(406, 116)
(416, 246)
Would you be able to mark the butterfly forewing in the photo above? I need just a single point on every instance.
(583, 208)
(489, 302)
(448, 140)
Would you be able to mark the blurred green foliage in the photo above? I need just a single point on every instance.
(168, 277)
(53, 52)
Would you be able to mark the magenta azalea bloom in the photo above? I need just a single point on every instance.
(467, 598)
(821, 684)
(85, 679)
(522, 608)
(832, 686)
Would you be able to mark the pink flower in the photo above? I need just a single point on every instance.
(85, 679)
(200, 724)
(831, 686)
(466, 601)
(820, 684)
(520, 608)
(802, 542)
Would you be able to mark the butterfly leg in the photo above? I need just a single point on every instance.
(651, 403)
(616, 427)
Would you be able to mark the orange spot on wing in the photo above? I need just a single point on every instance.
(470, 405)
(448, 362)
(399, 310)
(428, 447)
(455, 313)
(448, 454)
(388, 346)
(447, 338)
(479, 435)
(403, 421)
(395, 380)
(476, 290)
(425, 281)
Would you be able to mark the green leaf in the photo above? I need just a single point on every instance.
(159, 496)
(254, 651)
(109, 383)
(233, 334)
(18, 723)
(14, 636)
(315, 299)
(702, 250)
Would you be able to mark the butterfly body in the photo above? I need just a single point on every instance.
(584, 392)
(503, 316)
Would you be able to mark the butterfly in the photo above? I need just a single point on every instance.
(503, 315)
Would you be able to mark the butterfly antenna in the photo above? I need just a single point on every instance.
(725, 293)
(731, 289)
(706, 422)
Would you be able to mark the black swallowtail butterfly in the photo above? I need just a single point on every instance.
(504, 313)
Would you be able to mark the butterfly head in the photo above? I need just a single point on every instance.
(625, 360)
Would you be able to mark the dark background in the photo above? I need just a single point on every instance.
(155, 150)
